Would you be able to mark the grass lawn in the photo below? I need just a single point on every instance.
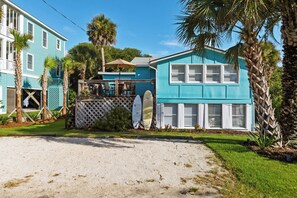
(256, 176)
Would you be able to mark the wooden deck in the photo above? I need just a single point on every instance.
(110, 88)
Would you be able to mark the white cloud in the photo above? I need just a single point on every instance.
(171, 43)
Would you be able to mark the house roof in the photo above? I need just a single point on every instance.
(142, 61)
(186, 52)
(34, 19)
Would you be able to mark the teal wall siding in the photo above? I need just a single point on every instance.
(201, 93)
(39, 52)
(144, 73)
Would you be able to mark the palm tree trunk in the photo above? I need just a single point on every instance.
(65, 90)
(83, 71)
(263, 103)
(18, 86)
(44, 88)
(289, 78)
(103, 58)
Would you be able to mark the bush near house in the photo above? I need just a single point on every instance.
(118, 119)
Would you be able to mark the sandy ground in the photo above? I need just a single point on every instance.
(87, 167)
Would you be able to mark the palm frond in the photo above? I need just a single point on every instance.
(233, 53)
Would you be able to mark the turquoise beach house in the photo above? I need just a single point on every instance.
(204, 90)
(45, 42)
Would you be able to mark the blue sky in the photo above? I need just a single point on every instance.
(146, 25)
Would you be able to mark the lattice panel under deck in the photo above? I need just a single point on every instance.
(89, 110)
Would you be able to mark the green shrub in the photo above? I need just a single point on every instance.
(56, 114)
(118, 119)
(4, 120)
(34, 115)
(264, 140)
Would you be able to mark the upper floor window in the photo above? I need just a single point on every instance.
(12, 19)
(58, 44)
(10, 51)
(30, 62)
(195, 73)
(230, 74)
(31, 30)
(192, 73)
(44, 39)
(178, 73)
(213, 73)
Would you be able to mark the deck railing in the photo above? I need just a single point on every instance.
(111, 87)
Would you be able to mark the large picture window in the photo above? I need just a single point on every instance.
(215, 115)
(238, 115)
(190, 115)
(170, 114)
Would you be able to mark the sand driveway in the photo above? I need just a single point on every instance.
(88, 167)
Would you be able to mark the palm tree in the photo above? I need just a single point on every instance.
(68, 66)
(49, 63)
(102, 32)
(20, 42)
(85, 54)
(288, 10)
(207, 22)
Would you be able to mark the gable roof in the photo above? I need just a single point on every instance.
(187, 52)
(34, 19)
(142, 61)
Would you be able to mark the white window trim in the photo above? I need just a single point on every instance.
(204, 71)
(59, 45)
(32, 62)
(46, 39)
(31, 40)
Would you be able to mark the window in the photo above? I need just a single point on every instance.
(58, 70)
(195, 73)
(170, 114)
(215, 115)
(31, 30)
(190, 115)
(213, 73)
(10, 51)
(12, 19)
(178, 73)
(58, 44)
(238, 115)
(230, 74)
(44, 39)
(30, 61)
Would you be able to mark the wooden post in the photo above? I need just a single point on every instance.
(80, 86)
(116, 88)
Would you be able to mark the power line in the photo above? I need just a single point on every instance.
(52, 7)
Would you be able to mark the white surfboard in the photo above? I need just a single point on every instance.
(147, 109)
(136, 112)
